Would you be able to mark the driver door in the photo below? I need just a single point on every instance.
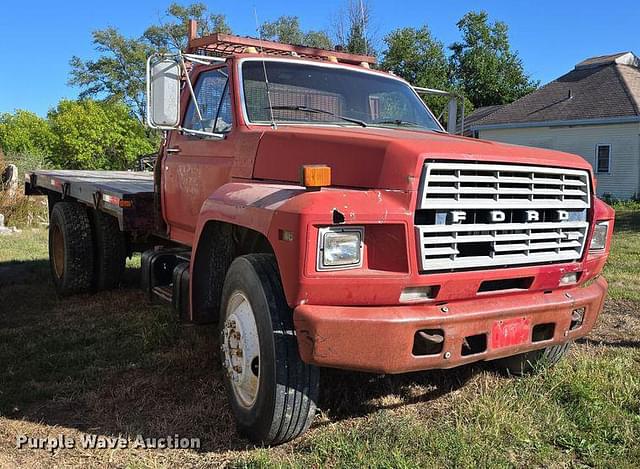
(196, 165)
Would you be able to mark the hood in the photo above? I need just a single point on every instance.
(375, 158)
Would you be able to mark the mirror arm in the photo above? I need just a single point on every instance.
(189, 85)
(203, 59)
(452, 106)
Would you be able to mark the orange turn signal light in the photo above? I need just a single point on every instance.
(314, 176)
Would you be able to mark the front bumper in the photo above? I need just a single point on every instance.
(380, 339)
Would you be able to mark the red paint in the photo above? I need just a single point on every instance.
(380, 339)
(509, 332)
(384, 158)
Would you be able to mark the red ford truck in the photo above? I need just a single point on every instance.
(318, 212)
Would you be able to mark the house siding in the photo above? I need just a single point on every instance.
(622, 182)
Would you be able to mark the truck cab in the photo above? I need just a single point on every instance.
(316, 210)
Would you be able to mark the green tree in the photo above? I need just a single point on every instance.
(484, 66)
(352, 27)
(96, 135)
(24, 132)
(286, 29)
(118, 74)
(173, 34)
(416, 56)
(318, 39)
(419, 58)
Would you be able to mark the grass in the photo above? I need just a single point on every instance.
(114, 364)
(623, 268)
(585, 412)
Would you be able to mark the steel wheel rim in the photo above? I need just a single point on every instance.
(57, 242)
(241, 349)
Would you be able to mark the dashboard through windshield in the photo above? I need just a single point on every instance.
(315, 94)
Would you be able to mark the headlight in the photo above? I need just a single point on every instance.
(340, 248)
(599, 238)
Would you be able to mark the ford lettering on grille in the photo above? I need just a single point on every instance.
(473, 215)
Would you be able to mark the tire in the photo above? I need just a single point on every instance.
(70, 248)
(110, 251)
(530, 362)
(212, 261)
(284, 398)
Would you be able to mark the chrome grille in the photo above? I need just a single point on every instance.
(471, 185)
(542, 215)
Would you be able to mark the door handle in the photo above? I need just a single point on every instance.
(173, 150)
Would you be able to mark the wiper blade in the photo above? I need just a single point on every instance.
(316, 110)
(398, 122)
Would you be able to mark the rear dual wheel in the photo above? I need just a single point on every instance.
(70, 248)
(272, 392)
(110, 251)
(86, 249)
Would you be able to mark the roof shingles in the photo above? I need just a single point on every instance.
(605, 91)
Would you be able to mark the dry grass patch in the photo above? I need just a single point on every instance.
(19, 210)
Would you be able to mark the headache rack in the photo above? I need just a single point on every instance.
(223, 45)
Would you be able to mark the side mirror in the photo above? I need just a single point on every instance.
(452, 108)
(452, 119)
(163, 93)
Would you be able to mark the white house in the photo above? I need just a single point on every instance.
(592, 111)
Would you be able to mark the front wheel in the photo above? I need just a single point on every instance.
(272, 392)
(529, 362)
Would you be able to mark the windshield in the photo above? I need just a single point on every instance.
(307, 93)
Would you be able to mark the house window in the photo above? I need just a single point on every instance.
(603, 158)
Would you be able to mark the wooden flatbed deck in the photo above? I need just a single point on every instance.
(126, 195)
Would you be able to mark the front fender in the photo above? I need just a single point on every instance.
(284, 213)
(258, 207)
(249, 205)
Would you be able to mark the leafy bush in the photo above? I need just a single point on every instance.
(620, 204)
(96, 135)
(24, 132)
(83, 134)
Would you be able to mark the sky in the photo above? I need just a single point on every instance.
(38, 38)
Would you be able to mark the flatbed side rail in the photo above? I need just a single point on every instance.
(125, 195)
